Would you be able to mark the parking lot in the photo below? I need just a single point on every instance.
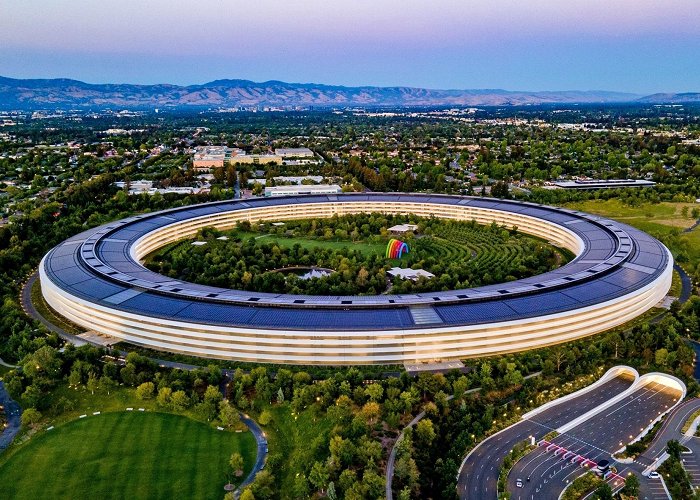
(558, 462)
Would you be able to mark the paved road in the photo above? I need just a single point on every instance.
(671, 429)
(13, 413)
(262, 451)
(595, 439)
(686, 284)
(478, 477)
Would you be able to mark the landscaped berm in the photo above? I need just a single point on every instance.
(125, 455)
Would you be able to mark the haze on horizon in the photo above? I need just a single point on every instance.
(640, 46)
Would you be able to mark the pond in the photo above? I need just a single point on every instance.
(306, 273)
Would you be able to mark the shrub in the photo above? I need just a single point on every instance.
(145, 390)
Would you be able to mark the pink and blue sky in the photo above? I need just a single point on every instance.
(640, 46)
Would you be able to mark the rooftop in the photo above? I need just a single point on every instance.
(409, 274)
(603, 184)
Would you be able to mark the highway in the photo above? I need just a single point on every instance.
(593, 440)
(479, 474)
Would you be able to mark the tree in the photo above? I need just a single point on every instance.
(247, 495)
(227, 414)
(559, 356)
(614, 343)
(342, 451)
(374, 484)
(406, 471)
(231, 175)
(236, 463)
(661, 356)
(164, 397)
(319, 476)
(108, 383)
(374, 392)
(301, 486)
(33, 397)
(631, 486)
(604, 492)
(76, 377)
(179, 400)
(30, 417)
(145, 390)
(212, 395)
(331, 494)
(43, 363)
(459, 386)
(500, 190)
(425, 432)
(93, 383)
(265, 418)
(263, 485)
(674, 448)
(370, 412)
(280, 396)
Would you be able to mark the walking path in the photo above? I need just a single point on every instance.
(262, 452)
(687, 284)
(7, 365)
(689, 229)
(13, 413)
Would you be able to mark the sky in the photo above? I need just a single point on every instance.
(639, 46)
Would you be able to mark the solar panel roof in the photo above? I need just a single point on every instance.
(96, 265)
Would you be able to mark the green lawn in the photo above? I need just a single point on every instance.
(661, 220)
(295, 443)
(288, 242)
(665, 213)
(124, 455)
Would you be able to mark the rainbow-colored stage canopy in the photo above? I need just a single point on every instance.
(395, 249)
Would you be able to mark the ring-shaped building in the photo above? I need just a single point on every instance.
(96, 280)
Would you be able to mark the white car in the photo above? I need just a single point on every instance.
(519, 483)
(654, 475)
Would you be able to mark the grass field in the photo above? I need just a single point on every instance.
(665, 213)
(664, 221)
(296, 443)
(124, 455)
(288, 242)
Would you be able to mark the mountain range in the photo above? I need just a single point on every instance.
(71, 94)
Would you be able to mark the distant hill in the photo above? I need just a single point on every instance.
(64, 93)
(686, 97)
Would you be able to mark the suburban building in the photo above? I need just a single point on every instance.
(294, 153)
(256, 159)
(619, 273)
(409, 274)
(301, 189)
(403, 228)
(603, 184)
(208, 157)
